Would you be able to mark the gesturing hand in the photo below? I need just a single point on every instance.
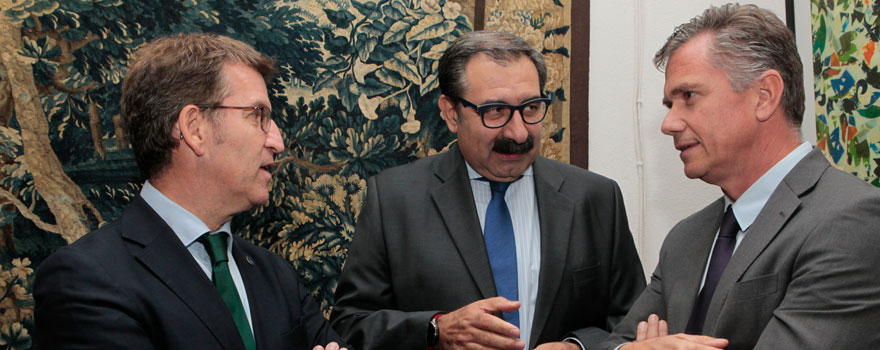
(475, 324)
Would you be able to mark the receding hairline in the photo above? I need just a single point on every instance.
(503, 61)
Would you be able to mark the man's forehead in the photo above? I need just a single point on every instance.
(484, 73)
(241, 81)
(686, 64)
(475, 63)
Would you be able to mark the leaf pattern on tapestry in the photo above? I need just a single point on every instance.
(355, 93)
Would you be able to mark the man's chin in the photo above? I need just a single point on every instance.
(259, 200)
(510, 172)
(693, 172)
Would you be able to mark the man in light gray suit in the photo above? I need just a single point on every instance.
(795, 263)
(427, 266)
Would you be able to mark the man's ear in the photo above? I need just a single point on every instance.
(770, 87)
(193, 129)
(449, 113)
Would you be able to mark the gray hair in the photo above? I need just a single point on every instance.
(500, 46)
(746, 42)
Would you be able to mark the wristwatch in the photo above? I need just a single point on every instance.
(433, 332)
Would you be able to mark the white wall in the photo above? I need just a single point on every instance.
(626, 111)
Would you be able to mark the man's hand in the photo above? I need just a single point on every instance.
(679, 341)
(558, 346)
(653, 328)
(475, 326)
(331, 346)
(654, 334)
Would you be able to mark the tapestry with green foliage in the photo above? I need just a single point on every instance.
(356, 92)
(847, 81)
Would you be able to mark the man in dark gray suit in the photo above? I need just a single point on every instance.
(429, 266)
(788, 258)
(167, 274)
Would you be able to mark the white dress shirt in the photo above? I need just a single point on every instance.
(188, 229)
(520, 199)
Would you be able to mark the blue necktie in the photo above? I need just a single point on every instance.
(501, 246)
(717, 263)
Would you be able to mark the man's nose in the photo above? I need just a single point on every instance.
(672, 123)
(274, 141)
(515, 129)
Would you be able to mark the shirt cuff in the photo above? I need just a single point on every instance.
(574, 340)
(621, 345)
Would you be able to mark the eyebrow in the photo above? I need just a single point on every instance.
(684, 87)
(678, 90)
(261, 104)
(498, 101)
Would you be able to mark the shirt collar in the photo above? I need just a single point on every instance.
(749, 205)
(185, 225)
(474, 175)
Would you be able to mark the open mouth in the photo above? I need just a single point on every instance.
(267, 167)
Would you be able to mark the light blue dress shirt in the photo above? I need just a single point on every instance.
(752, 201)
(188, 229)
(749, 205)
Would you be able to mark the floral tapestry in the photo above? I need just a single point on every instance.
(847, 81)
(356, 92)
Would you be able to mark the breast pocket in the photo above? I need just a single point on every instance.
(749, 306)
(584, 277)
(758, 287)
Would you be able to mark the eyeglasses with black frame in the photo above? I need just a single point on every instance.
(496, 115)
(263, 113)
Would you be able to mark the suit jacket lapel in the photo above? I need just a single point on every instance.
(780, 208)
(455, 202)
(555, 213)
(159, 249)
(689, 267)
(262, 306)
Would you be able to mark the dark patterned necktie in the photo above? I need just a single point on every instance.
(724, 246)
(216, 246)
(501, 247)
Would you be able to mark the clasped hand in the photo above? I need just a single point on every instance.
(331, 346)
(654, 334)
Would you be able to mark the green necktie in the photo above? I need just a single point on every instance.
(216, 246)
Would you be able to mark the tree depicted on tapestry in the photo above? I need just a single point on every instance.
(845, 35)
(356, 93)
(66, 167)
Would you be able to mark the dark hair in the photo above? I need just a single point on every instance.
(169, 73)
(500, 46)
(746, 42)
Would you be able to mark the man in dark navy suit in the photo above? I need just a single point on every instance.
(168, 274)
